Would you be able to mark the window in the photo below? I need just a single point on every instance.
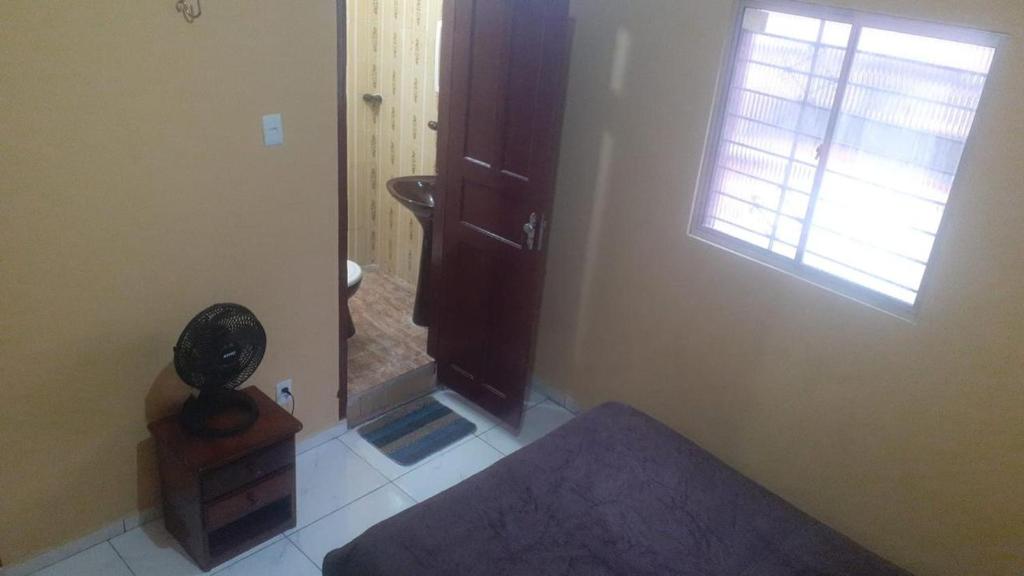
(835, 143)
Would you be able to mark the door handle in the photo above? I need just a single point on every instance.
(531, 230)
(373, 99)
(432, 125)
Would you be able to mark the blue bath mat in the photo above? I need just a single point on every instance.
(412, 432)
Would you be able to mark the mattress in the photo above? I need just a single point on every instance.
(613, 492)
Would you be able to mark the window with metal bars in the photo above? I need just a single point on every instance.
(835, 143)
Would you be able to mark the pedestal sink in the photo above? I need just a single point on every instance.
(417, 194)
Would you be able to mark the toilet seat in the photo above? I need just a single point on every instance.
(355, 273)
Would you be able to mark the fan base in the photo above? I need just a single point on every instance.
(219, 414)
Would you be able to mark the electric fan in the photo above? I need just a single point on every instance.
(219, 350)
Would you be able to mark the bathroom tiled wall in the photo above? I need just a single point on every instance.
(391, 51)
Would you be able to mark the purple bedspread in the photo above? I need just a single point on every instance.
(614, 492)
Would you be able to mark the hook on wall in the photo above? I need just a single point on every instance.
(189, 10)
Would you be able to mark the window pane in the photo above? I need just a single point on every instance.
(763, 108)
(778, 52)
(932, 51)
(865, 280)
(904, 120)
(783, 88)
(784, 25)
(774, 81)
(830, 62)
(836, 34)
(889, 112)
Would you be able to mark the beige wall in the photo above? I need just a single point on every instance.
(392, 53)
(909, 438)
(135, 191)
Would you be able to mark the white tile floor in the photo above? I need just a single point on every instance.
(345, 486)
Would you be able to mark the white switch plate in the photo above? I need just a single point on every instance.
(273, 130)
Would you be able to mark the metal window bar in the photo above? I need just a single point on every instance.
(830, 132)
(796, 140)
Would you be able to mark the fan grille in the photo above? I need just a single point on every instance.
(220, 348)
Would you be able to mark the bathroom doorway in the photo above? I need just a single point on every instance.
(499, 95)
(391, 103)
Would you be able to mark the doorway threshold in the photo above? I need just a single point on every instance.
(367, 405)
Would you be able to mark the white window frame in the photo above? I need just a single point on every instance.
(795, 267)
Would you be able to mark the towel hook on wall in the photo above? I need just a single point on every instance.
(189, 10)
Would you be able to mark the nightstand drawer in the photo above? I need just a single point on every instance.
(231, 508)
(219, 482)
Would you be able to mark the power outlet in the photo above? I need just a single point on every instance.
(284, 392)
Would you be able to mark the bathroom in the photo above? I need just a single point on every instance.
(392, 107)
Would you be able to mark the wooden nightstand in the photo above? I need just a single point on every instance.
(221, 497)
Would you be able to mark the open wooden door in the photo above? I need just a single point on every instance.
(504, 65)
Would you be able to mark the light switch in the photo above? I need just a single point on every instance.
(273, 131)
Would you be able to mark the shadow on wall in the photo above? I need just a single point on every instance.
(164, 398)
(636, 116)
(581, 220)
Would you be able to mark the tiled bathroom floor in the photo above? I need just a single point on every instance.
(345, 486)
(387, 344)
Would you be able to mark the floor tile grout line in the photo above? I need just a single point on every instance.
(416, 466)
(297, 529)
(303, 552)
(370, 464)
(321, 519)
(291, 539)
(487, 430)
(311, 448)
(403, 491)
(257, 549)
(498, 450)
(83, 551)
(120, 557)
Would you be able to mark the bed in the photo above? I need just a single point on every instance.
(613, 492)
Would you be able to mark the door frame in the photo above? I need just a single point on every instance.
(342, 112)
(342, 121)
(443, 132)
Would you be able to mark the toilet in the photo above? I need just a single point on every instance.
(355, 278)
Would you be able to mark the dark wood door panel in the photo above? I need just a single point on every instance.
(501, 98)
(504, 73)
(483, 209)
(485, 82)
(468, 310)
(488, 309)
(524, 67)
